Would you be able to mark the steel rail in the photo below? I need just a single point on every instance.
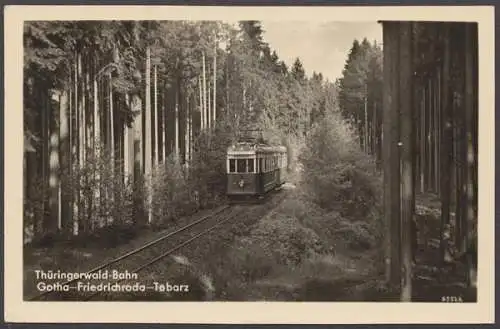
(137, 250)
(169, 252)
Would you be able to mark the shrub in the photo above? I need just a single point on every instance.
(337, 174)
(95, 196)
(106, 197)
(172, 196)
(208, 164)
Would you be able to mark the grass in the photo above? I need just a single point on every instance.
(297, 253)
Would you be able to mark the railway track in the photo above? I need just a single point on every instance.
(148, 254)
(126, 268)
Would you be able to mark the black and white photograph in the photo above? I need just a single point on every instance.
(240, 158)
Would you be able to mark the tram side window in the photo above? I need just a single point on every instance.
(232, 165)
(251, 165)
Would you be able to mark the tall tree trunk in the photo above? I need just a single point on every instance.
(156, 125)
(422, 139)
(82, 134)
(202, 112)
(470, 113)
(428, 121)
(53, 220)
(128, 148)
(138, 158)
(187, 145)
(391, 152)
(65, 160)
(205, 110)
(44, 141)
(112, 145)
(209, 104)
(44, 159)
(228, 108)
(365, 143)
(458, 142)
(76, 147)
(439, 130)
(446, 148)
(165, 124)
(147, 157)
(97, 142)
(407, 153)
(37, 164)
(190, 131)
(177, 91)
(92, 216)
(214, 106)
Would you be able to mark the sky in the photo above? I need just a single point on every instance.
(321, 46)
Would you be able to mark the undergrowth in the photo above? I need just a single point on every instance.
(324, 242)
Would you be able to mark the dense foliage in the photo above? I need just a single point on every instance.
(360, 94)
(157, 101)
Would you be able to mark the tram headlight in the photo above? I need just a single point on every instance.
(241, 183)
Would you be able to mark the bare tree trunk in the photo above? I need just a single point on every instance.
(228, 108)
(446, 151)
(138, 158)
(53, 130)
(148, 145)
(438, 132)
(44, 159)
(209, 104)
(429, 181)
(97, 141)
(365, 143)
(165, 126)
(177, 153)
(65, 160)
(470, 222)
(214, 107)
(76, 147)
(190, 131)
(391, 153)
(204, 79)
(187, 145)
(407, 152)
(202, 112)
(422, 140)
(156, 125)
(128, 148)
(112, 145)
(83, 146)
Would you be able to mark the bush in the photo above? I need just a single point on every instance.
(337, 174)
(95, 196)
(208, 165)
(173, 196)
(106, 197)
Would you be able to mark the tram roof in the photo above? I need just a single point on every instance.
(252, 148)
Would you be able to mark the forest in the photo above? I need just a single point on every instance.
(126, 124)
(117, 111)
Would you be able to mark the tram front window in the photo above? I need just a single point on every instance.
(242, 165)
(232, 165)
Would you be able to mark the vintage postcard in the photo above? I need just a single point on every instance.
(184, 164)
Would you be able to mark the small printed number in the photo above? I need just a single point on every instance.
(451, 299)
